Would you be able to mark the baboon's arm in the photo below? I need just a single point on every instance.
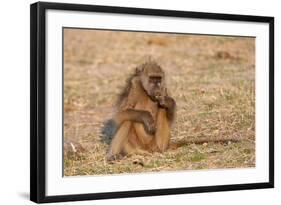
(128, 115)
(162, 135)
(171, 108)
(169, 104)
(141, 117)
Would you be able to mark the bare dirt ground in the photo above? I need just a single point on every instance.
(212, 79)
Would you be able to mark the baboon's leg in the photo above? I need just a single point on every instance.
(118, 140)
(143, 136)
(130, 150)
(162, 135)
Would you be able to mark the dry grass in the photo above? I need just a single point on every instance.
(212, 79)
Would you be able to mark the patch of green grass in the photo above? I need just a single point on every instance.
(197, 157)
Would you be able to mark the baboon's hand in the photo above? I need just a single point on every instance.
(161, 96)
(166, 101)
(148, 122)
(161, 100)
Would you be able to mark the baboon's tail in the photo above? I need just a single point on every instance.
(202, 140)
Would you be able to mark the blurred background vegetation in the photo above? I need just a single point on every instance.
(212, 79)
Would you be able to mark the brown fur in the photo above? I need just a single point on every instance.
(145, 114)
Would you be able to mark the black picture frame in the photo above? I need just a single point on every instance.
(38, 100)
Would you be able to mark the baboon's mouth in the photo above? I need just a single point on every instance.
(153, 98)
(156, 96)
(153, 95)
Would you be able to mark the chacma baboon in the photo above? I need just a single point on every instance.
(145, 114)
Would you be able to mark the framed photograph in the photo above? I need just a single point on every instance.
(129, 102)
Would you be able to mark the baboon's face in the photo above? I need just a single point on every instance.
(153, 81)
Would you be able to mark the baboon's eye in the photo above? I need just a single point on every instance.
(155, 79)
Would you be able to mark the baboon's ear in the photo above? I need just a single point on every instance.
(139, 69)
